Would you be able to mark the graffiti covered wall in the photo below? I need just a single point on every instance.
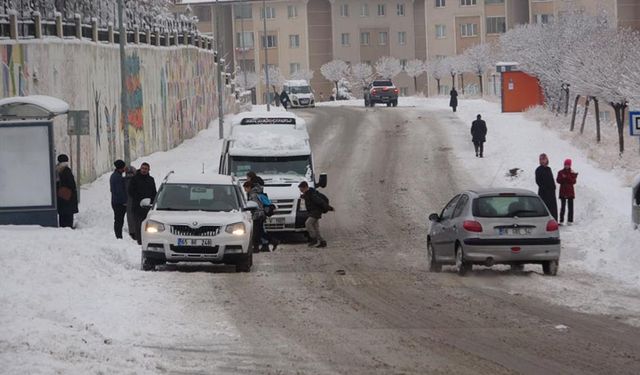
(170, 92)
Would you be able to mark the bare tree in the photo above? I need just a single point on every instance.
(246, 80)
(359, 77)
(414, 69)
(438, 70)
(275, 79)
(334, 71)
(304, 74)
(388, 67)
(478, 59)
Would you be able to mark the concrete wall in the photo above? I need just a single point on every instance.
(171, 94)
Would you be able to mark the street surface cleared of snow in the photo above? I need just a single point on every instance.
(74, 301)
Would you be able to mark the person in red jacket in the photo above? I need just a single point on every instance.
(566, 179)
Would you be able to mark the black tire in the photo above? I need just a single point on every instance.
(147, 264)
(371, 103)
(434, 266)
(244, 264)
(366, 103)
(388, 104)
(517, 267)
(550, 267)
(395, 103)
(463, 266)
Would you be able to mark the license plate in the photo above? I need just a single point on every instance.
(514, 231)
(275, 220)
(194, 242)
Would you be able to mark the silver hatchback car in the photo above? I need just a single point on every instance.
(494, 226)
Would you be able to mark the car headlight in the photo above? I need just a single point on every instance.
(237, 229)
(153, 226)
(294, 97)
(302, 206)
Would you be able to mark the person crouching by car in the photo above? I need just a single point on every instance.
(317, 204)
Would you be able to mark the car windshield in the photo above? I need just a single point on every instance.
(197, 197)
(382, 83)
(509, 206)
(275, 165)
(299, 90)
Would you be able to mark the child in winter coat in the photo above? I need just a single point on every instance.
(566, 179)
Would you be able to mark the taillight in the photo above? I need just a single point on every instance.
(373, 91)
(552, 226)
(472, 226)
(396, 91)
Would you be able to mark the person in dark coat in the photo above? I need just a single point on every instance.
(314, 204)
(453, 102)
(547, 185)
(284, 99)
(257, 185)
(255, 179)
(142, 186)
(478, 134)
(118, 197)
(567, 179)
(130, 171)
(258, 217)
(637, 197)
(66, 191)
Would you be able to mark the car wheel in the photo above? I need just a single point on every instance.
(147, 264)
(550, 267)
(366, 103)
(389, 104)
(244, 265)
(462, 265)
(395, 103)
(517, 267)
(434, 266)
(371, 103)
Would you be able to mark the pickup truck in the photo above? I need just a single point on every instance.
(381, 91)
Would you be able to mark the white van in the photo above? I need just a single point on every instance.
(282, 157)
(300, 93)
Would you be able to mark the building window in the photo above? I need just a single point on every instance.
(402, 38)
(382, 9)
(292, 11)
(605, 116)
(441, 31)
(440, 3)
(467, 2)
(400, 9)
(294, 67)
(344, 38)
(344, 10)
(496, 25)
(364, 38)
(244, 40)
(544, 18)
(383, 38)
(469, 29)
(403, 63)
(294, 41)
(404, 91)
(242, 11)
(272, 41)
(364, 10)
(494, 1)
(270, 12)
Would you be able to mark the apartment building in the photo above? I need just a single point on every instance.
(625, 13)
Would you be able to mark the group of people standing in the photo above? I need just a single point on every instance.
(566, 178)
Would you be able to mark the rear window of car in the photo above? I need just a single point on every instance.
(509, 206)
(382, 83)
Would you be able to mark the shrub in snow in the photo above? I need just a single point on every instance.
(334, 71)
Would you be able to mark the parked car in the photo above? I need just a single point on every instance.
(198, 218)
(381, 91)
(494, 226)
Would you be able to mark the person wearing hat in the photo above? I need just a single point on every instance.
(66, 192)
(118, 197)
(566, 179)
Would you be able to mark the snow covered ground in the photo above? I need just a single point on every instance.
(81, 289)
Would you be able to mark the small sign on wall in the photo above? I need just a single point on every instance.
(634, 123)
(78, 123)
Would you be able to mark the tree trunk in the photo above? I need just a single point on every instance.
(438, 83)
(415, 84)
(453, 81)
(481, 88)
(462, 83)
(584, 115)
(566, 100)
(336, 96)
(575, 109)
(596, 106)
(619, 109)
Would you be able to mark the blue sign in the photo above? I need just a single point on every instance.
(634, 123)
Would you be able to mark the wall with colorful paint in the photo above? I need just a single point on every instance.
(171, 94)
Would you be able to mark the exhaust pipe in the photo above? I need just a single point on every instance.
(489, 262)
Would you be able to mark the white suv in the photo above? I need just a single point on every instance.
(198, 218)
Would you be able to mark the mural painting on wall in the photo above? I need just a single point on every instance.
(15, 70)
(135, 118)
(108, 130)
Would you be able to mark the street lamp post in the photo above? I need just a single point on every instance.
(123, 84)
(220, 72)
(266, 58)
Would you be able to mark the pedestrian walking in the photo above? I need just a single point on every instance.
(478, 135)
(118, 197)
(66, 192)
(141, 186)
(547, 185)
(453, 102)
(284, 99)
(130, 171)
(316, 204)
(567, 179)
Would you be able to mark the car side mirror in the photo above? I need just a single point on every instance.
(322, 182)
(434, 217)
(145, 203)
(250, 206)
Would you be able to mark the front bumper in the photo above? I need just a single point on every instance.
(303, 103)
(383, 98)
(287, 223)
(223, 250)
(511, 250)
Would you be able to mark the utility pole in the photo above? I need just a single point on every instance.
(266, 58)
(220, 72)
(123, 84)
(244, 59)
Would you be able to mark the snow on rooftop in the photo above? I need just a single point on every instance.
(296, 82)
(502, 63)
(254, 140)
(199, 178)
(53, 105)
